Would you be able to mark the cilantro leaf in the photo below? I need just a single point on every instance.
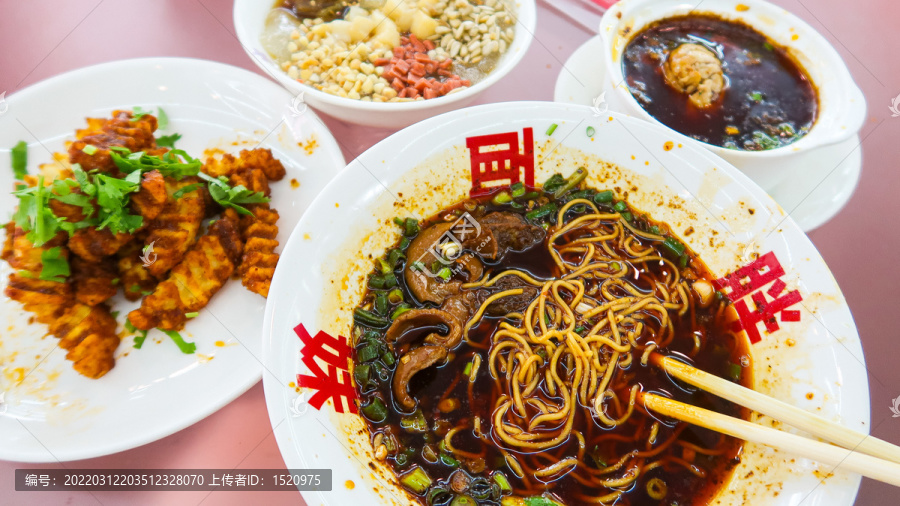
(34, 215)
(168, 141)
(138, 112)
(54, 266)
(19, 156)
(175, 163)
(229, 196)
(186, 189)
(185, 347)
(162, 119)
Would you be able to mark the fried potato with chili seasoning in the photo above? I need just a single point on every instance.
(192, 283)
(150, 200)
(259, 158)
(24, 284)
(121, 130)
(88, 332)
(134, 278)
(174, 230)
(259, 259)
(93, 244)
(94, 282)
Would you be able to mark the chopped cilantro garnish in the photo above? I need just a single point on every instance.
(138, 112)
(162, 119)
(229, 196)
(168, 141)
(114, 314)
(19, 157)
(34, 216)
(185, 347)
(55, 267)
(186, 189)
(141, 334)
(175, 163)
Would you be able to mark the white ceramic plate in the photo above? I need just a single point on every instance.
(816, 363)
(813, 195)
(55, 413)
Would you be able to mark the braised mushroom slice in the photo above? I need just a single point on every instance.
(426, 285)
(427, 318)
(416, 360)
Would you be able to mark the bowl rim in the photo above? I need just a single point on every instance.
(525, 25)
(815, 138)
(376, 160)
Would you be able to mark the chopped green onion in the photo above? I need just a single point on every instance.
(369, 319)
(19, 158)
(555, 181)
(468, 370)
(673, 246)
(415, 422)
(381, 303)
(445, 273)
(756, 96)
(579, 329)
(574, 180)
(361, 374)
(369, 352)
(590, 131)
(416, 480)
(402, 308)
(627, 216)
(448, 460)
(375, 411)
(517, 190)
(551, 129)
(390, 280)
(89, 149)
(394, 257)
(395, 296)
(411, 227)
(541, 212)
(385, 266)
(734, 371)
(540, 501)
(193, 314)
(376, 281)
(501, 198)
(603, 197)
(620, 206)
(500, 479)
(388, 358)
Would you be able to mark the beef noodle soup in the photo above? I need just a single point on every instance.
(720, 82)
(501, 343)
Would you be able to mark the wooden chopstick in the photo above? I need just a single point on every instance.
(791, 415)
(850, 460)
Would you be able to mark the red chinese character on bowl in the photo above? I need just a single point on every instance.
(499, 164)
(747, 280)
(332, 381)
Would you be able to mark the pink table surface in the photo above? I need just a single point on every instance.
(860, 245)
